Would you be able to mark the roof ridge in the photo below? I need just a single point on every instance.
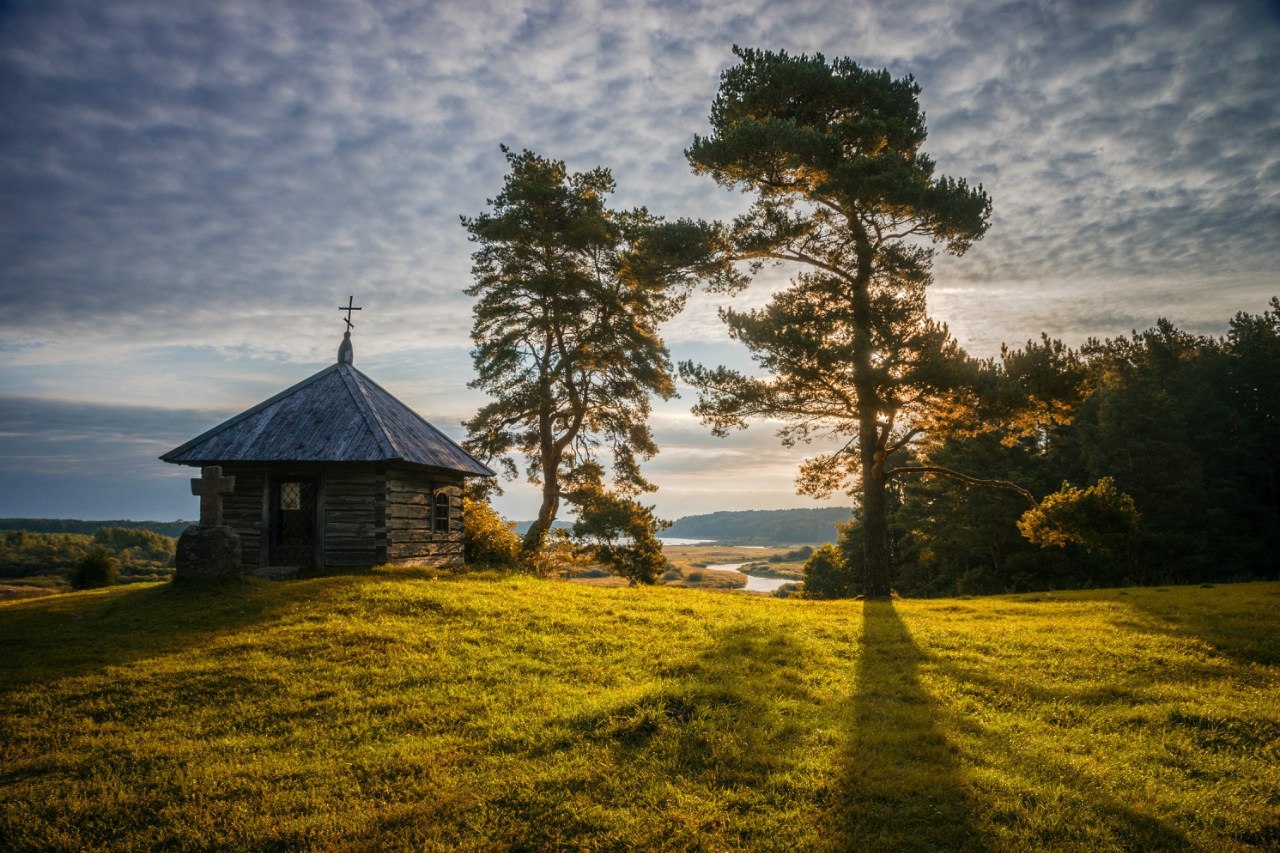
(250, 412)
(386, 442)
(426, 423)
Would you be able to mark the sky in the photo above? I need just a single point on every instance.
(188, 191)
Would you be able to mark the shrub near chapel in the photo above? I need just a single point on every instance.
(487, 539)
(96, 569)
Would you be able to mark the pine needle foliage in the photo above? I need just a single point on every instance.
(843, 193)
(570, 295)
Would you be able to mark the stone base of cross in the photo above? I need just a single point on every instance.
(211, 486)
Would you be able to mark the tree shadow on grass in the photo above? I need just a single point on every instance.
(724, 717)
(65, 636)
(900, 788)
(1233, 620)
(710, 755)
(1051, 800)
(908, 780)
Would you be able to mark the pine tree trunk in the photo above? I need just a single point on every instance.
(875, 521)
(531, 545)
(875, 518)
(537, 532)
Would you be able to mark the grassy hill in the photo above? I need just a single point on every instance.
(395, 711)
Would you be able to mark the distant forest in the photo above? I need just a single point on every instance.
(764, 526)
(88, 528)
(751, 526)
(1188, 426)
(48, 559)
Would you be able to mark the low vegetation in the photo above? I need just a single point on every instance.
(31, 562)
(396, 710)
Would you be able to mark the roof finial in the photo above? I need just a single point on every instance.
(349, 307)
(345, 354)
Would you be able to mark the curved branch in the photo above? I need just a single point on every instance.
(800, 257)
(964, 478)
(904, 441)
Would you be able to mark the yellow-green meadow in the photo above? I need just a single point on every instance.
(409, 710)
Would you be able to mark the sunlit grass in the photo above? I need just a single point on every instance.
(394, 711)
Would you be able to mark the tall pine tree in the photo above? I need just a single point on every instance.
(569, 299)
(843, 192)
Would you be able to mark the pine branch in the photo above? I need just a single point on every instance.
(963, 478)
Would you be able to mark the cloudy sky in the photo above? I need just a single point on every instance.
(189, 190)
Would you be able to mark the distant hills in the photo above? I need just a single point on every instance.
(763, 526)
(751, 526)
(75, 525)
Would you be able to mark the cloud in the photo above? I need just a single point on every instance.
(65, 459)
(186, 189)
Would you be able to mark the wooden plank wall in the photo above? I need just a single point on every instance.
(410, 540)
(370, 517)
(355, 518)
(242, 511)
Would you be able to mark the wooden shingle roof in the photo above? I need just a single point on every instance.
(337, 415)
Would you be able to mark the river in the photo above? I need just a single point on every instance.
(755, 583)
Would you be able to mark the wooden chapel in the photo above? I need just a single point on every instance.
(335, 471)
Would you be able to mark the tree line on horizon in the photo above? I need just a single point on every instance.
(172, 529)
(1187, 426)
(571, 295)
(54, 559)
(805, 525)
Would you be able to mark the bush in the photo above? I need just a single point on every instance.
(96, 569)
(804, 552)
(789, 590)
(487, 538)
(826, 575)
(618, 531)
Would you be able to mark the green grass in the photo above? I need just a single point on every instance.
(393, 711)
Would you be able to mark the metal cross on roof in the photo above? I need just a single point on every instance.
(349, 307)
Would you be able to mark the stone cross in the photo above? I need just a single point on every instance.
(211, 486)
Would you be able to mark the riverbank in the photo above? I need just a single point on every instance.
(718, 567)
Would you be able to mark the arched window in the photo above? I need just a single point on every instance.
(441, 514)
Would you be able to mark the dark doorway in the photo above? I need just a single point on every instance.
(293, 523)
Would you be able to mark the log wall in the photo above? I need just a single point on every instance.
(354, 514)
(367, 516)
(410, 501)
(242, 510)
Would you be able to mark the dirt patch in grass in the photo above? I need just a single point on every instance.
(13, 593)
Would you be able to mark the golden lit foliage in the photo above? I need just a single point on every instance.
(1100, 518)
